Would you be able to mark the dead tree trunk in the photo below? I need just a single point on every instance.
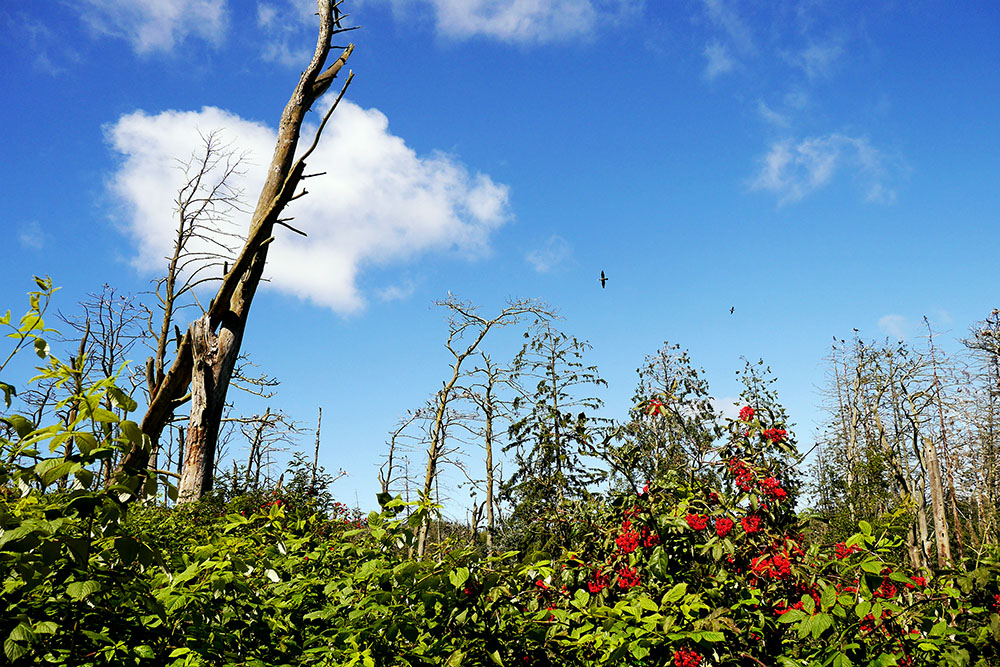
(221, 330)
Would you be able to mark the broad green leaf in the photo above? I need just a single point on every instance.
(459, 576)
(46, 627)
(829, 597)
(8, 392)
(862, 608)
(872, 566)
(41, 348)
(103, 416)
(128, 549)
(455, 659)
(78, 590)
(22, 632)
(13, 650)
(675, 593)
(821, 622)
(865, 527)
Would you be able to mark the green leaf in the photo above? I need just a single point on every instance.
(792, 616)
(144, 651)
(455, 659)
(20, 424)
(178, 652)
(103, 416)
(647, 604)
(713, 636)
(121, 400)
(495, 657)
(865, 527)
(41, 348)
(821, 622)
(8, 392)
(128, 549)
(862, 608)
(872, 566)
(22, 632)
(829, 597)
(459, 576)
(46, 627)
(675, 593)
(78, 590)
(50, 470)
(131, 431)
(13, 650)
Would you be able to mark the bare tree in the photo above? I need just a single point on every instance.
(207, 352)
(464, 324)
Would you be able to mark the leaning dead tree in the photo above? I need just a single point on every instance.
(208, 350)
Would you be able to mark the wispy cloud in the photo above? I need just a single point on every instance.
(380, 202)
(726, 18)
(896, 326)
(397, 292)
(717, 59)
(793, 170)
(283, 27)
(818, 60)
(31, 236)
(157, 25)
(521, 21)
(552, 254)
(770, 116)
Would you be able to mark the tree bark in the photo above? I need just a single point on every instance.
(221, 332)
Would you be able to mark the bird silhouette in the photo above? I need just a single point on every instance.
(603, 279)
(732, 310)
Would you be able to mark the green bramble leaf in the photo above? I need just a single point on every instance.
(79, 590)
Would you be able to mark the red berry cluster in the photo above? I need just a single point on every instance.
(775, 435)
(722, 526)
(686, 658)
(628, 577)
(741, 471)
(843, 551)
(697, 521)
(746, 413)
(751, 524)
(628, 540)
(772, 488)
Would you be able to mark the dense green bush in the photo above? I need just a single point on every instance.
(694, 570)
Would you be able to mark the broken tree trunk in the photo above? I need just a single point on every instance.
(221, 328)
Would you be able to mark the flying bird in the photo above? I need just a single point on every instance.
(732, 310)
(603, 279)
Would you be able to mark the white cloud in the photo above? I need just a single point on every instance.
(728, 20)
(398, 292)
(818, 60)
(896, 326)
(379, 202)
(727, 406)
(793, 170)
(532, 21)
(770, 116)
(157, 25)
(31, 236)
(718, 60)
(284, 28)
(550, 255)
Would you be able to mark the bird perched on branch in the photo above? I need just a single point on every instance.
(603, 279)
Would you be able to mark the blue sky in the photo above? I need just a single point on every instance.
(819, 166)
